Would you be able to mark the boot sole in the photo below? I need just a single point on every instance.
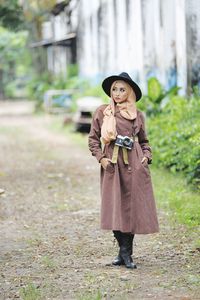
(118, 264)
(129, 267)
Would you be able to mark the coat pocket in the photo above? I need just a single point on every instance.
(110, 168)
(144, 164)
(145, 169)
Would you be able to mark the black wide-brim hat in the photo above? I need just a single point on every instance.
(107, 83)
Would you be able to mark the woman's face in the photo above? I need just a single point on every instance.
(119, 91)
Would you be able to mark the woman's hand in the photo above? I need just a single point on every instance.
(144, 161)
(104, 162)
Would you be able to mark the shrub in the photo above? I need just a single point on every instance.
(156, 98)
(175, 136)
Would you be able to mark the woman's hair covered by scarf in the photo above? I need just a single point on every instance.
(127, 110)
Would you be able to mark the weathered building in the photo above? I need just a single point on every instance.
(143, 37)
(59, 36)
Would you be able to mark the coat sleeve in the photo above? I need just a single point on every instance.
(94, 141)
(143, 140)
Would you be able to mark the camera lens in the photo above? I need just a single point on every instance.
(127, 141)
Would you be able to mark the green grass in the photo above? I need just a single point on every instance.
(174, 195)
(30, 292)
(91, 296)
(48, 262)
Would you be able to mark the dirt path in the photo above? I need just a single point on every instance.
(51, 245)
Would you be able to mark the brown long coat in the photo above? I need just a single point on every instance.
(128, 202)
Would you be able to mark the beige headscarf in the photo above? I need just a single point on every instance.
(127, 110)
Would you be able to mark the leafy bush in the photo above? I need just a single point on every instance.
(38, 86)
(72, 70)
(14, 61)
(156, 98)
(175, 136)
(174, 129)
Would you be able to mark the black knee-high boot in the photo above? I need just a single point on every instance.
(126, 250)
(118, 261)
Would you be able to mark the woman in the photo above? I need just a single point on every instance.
(118, 140)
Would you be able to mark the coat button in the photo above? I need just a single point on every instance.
(129, 169)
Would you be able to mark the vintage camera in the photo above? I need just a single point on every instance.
(124, 141)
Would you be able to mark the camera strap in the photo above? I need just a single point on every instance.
(116, 152)
(124, 153)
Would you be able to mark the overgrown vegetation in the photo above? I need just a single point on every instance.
(14, 63)
(11, 15)
(20, 25)
(175, 136)
(156, 97)
(174, 131)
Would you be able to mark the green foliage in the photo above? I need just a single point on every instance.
(14, 60)
(155, 89)
(174, 129)
(38, 85)
(174, 134)
(72, 70)
(11, 15)
(175, 137)
(196, 92)
(11, 45)
(153, 102)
